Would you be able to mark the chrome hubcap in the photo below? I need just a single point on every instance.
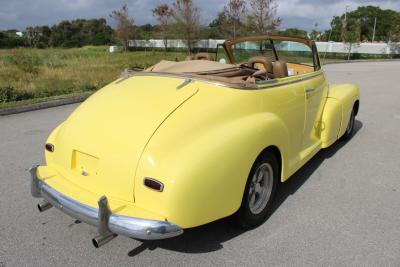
(260, 188)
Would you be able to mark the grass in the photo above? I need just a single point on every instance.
(42, 73)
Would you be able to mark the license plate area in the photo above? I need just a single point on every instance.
(84, 164)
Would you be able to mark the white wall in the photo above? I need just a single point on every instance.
(330, 47)
(210, 43)
(362, 48)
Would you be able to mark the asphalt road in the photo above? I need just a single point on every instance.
(342, 208)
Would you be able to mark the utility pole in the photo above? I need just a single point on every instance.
(344, 27)
(345, 19)
(373, 33)
(345, 14)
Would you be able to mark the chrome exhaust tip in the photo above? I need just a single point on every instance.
(100, 240)
(44, 205)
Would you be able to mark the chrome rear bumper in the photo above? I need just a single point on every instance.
(106, 222)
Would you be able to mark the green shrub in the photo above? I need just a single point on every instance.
(8, 94)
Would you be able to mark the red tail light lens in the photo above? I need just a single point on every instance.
(154, 184)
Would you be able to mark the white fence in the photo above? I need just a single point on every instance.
(362, 48)
(329, 47)
(210, 43)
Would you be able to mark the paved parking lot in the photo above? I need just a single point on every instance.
(342, 208)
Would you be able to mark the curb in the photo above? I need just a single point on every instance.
(44, 105)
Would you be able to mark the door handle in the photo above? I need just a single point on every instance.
(309, 90)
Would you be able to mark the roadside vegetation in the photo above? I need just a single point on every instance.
(39, 73)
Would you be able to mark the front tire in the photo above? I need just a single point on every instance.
(259, 192)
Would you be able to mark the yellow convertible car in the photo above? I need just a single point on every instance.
(181, 144)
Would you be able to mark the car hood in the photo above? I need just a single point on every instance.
(100, 144)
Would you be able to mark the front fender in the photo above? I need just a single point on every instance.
(338, 107)
(204, 171)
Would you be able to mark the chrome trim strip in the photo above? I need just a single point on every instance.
(118, 224)
(266, 84)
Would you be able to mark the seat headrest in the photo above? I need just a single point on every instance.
(261, 60)
(280, 69)
(203, 56)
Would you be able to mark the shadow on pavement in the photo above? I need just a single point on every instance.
(209, 237)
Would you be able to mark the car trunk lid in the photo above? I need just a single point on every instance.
(100, 144)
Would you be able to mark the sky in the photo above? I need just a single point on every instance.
(304, 14)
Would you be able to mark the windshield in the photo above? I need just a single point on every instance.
(243, 51)
(288, 51)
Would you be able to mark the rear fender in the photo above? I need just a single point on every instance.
(206, 174)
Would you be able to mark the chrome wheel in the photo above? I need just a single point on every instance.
(261, 188)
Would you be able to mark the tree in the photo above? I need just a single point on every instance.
(219, 27)
(294, 32)
(9, 39)
(364, 18)
(357, 31)
(80, 32)
(187, 18)
(234, 11)
(38, 36)
(125, 28)
(343, 31)
(163, 14)
(396, 30)
(263, 16)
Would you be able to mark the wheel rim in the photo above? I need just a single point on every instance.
(351, 124)
(260, 188)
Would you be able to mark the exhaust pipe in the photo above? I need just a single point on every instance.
(44, 205)
(100, 240)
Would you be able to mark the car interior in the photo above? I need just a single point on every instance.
(255, 70)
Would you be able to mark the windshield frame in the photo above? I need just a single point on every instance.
(228, 45)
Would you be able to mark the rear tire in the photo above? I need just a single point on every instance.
(350, 127)
(259, 192)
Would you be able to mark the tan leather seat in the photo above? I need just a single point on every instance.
(200, 56)
(203, 56)
(280, 69)
(267, 64)
(188, 58)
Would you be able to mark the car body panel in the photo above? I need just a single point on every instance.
(338, 108)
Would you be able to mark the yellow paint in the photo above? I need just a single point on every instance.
(200, 141)
(337, 112)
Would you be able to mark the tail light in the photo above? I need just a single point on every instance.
(153, 184)
(49, 147)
